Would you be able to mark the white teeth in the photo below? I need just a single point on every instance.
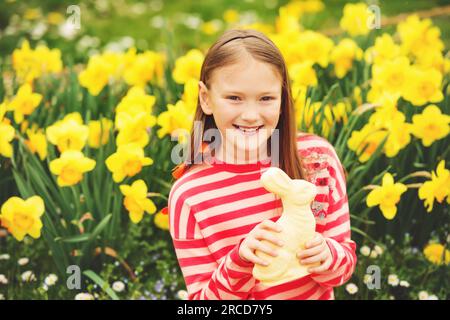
(248, 130)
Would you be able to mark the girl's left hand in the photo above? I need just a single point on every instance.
(316, 250)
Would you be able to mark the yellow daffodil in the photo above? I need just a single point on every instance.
(22, 217)
(24, 103)
(190, 94)
(136, 201)
(303, 74)
(367, 139)
(136, 101)
(423, 85)
(96, 75)
(431, 125)
(162, 221)
(99, 132)
(386, 196)
(390, 76)
(343, 55)
(127, 161)
(134, 129)
(437, 254)
(3, 109)
(24, 126)
(32, 14)
(341, 111)
(419, 36)
(437, 188)
(68, 133)
(188, 66)
(389, 118)
(287, 22)
(356, 19)
(433, 59)
(55, 18)
(211, 27)
(7, 133)
(133, 117)
(37, 143)
(399, 137)
(315, 47)
(356, 95)
(384, 49)
(313, 114)
(70, 166)
(177, 116)
(231, 16)
(145, 67)
(30, 64)
(298, 8)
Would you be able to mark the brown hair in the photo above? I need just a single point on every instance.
(226, 51)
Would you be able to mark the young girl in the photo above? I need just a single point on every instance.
(218, 209)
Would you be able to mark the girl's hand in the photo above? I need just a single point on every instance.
(252, 242)
(316, 250)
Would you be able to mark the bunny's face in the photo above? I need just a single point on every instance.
(276, 181)
(296, 191)
(302, 192)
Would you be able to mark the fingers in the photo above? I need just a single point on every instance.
(255, 241)
(323, 267)
(263, 247)
(313, 247)
(317, 240)
(248, 251)
(249, 255)
(310, 252)
(316, 258)
(270, 225)
(268, 236)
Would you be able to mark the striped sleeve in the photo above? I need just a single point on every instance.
(230, 278)
(337, 228)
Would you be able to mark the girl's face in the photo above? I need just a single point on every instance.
(245, 101)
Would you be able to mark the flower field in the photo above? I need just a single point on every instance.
(88, 122)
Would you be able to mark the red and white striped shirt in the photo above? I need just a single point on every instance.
(213, 206)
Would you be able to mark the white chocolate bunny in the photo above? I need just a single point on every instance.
(298, 226)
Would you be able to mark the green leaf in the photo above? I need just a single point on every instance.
(102, 283)
(75, 239)
(100, 226)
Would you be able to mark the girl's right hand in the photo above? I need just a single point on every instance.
(253, 242)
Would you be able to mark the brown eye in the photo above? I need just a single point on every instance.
(267, 98)
(234, 98)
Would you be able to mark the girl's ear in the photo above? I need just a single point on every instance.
(203, 96)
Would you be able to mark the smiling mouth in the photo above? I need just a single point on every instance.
(246, 129)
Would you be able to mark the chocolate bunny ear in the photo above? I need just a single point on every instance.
(276, 180)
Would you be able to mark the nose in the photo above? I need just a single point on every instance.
(250, 113)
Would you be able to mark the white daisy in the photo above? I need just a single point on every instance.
(4, 256)
(28, 276)
(393, 280)
(378, 250)
(351, 288)
(118, 286)
(423, 295)
(182, 294)
(3, 279)
(51, 279)
(84, 296)
(404, 283)
(365, 251)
